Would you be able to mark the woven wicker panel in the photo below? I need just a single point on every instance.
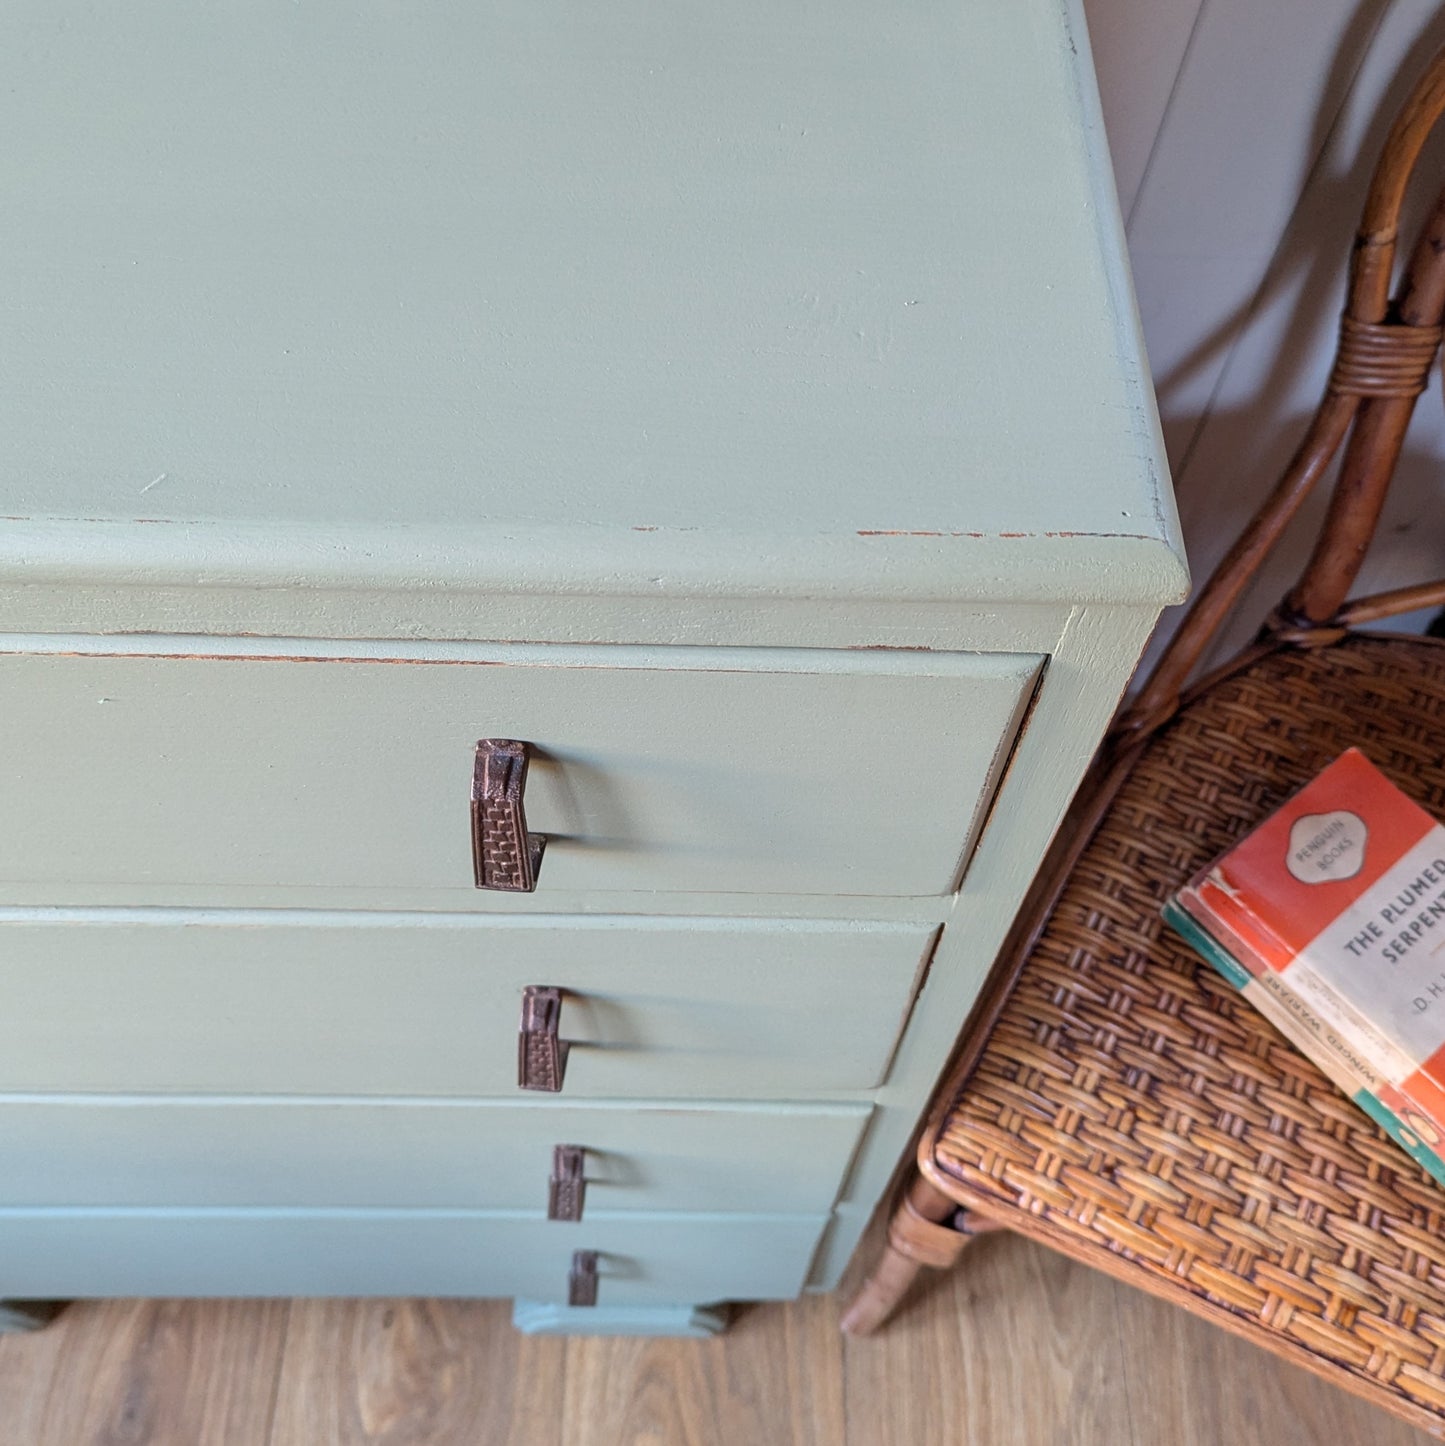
(1132, 1104)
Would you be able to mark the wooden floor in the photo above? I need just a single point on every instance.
(1021, 1349)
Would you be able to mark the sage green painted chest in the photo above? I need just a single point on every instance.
(740, 407)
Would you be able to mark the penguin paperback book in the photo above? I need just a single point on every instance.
(1330, 918)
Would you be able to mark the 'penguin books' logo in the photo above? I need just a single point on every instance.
(1327, 848)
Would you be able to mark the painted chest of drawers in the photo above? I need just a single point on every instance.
(700, 452)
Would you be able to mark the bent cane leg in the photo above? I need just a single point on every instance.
(927, 1228)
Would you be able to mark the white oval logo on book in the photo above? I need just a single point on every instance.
(1327, 847)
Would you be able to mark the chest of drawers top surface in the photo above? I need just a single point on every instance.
(629, 297)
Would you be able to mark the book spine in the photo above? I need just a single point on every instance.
(1306, 1031)
(1235, 915)
(1382, 1052)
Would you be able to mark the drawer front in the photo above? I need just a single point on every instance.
(397, 1155)
(701, 770)
(643, 1260)
(195, 1003)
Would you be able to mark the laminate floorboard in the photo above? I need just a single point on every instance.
(775, 1376)
(146, 1373)
(1196, 1385)
(1018, 1348)
(963, 1363)
(402, 1373)
(28, 1364)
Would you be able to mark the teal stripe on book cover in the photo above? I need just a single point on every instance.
(1401, 1134)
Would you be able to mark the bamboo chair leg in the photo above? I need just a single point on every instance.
(927, 1228)
(888, 1282)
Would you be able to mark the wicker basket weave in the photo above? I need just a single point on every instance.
(1115, 1098)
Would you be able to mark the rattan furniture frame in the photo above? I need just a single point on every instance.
(1114, 1098)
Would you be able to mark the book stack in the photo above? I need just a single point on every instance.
(1330, 919)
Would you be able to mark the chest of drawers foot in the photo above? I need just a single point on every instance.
(693, 1322)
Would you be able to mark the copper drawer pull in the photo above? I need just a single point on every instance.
(582, 1278)
(541, 1052)
(567, 1189)
(504, 855)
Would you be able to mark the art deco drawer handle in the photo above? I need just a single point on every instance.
(567, 1189)
(582, 1278)
(504, 855)
(541, 1053)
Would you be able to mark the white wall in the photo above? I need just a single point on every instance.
(1243, 133)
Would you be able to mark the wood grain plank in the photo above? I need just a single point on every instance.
(1195, 1385)
(1018, 1345)
(152, 1373)
(403, 1373)
(775, 1379)
(1020, 1348)
(29, 1362)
